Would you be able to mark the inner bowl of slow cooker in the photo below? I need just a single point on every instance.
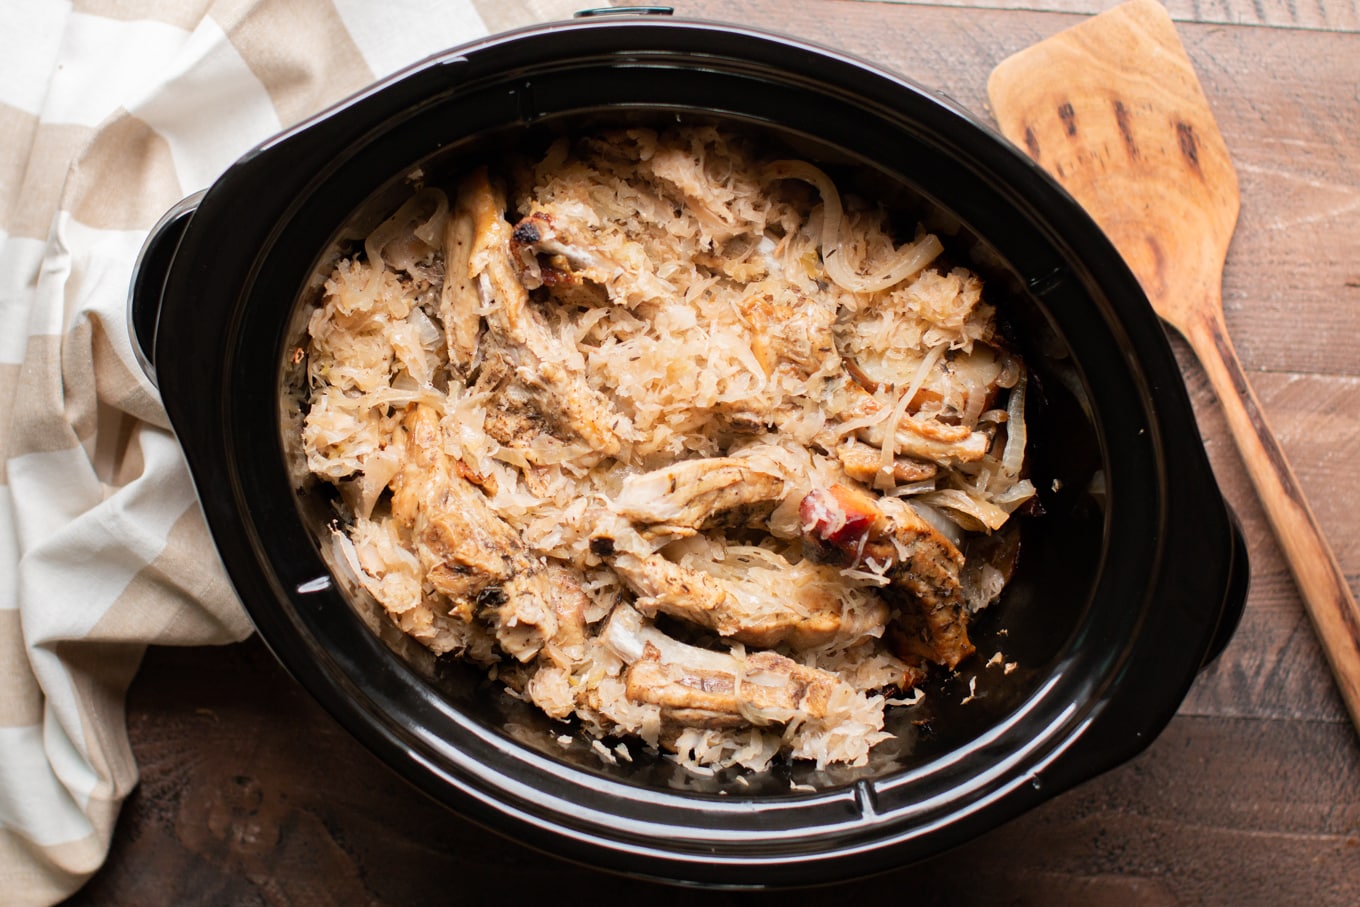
(1032, 627)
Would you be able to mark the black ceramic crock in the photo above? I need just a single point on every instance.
(1132, 579)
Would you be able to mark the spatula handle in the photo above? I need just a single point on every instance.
(1326, 594)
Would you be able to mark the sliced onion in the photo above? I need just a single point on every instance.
(924, 369)
(943, 524)
(409, 218)
(1013, 457)
(1012, 370)
(961, 504)
(909, 260)
(1014, 496)
(889, 450)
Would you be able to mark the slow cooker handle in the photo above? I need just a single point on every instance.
(147, 290)
(623, 11)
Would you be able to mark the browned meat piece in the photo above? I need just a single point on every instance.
(543, 365)
(800, 617)
(853, 525)
(699, 494)
(936, 633)
(848, 525)
(541, 613)
(473, 556)
(558, 251)
(703, 688)
(864, 464)
(547, 258)
(513, 416)
(459, 297)
(769, 689)
(464, 545)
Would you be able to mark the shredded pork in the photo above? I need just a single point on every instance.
(691, 447)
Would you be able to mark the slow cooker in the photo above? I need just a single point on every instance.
(1131, 580)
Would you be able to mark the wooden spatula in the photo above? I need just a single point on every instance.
(1113, 110)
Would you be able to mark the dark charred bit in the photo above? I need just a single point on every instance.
(1032, 142)
(491, 597)
(1121, 117)
(1069, 118)
(526, 232)
(602, 546)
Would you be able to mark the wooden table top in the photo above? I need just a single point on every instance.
(251, 794)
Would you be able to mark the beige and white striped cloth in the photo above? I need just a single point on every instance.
(111, 111)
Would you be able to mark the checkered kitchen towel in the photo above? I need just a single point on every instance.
(111, 111)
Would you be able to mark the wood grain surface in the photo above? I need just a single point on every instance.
(252, 795)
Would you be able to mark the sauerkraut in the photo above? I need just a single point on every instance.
(685, 445)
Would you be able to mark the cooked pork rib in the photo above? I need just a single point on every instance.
(548, 258)
(555, 249)
(931, 632)
(541, 613)
(474, 557)
(730, 699)
(699, 494)
(661, 585)
(702, 688)
(463, 543)
(513, 414)
(865, 464)
(459, 297)
(885, 534)
(546, 368)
